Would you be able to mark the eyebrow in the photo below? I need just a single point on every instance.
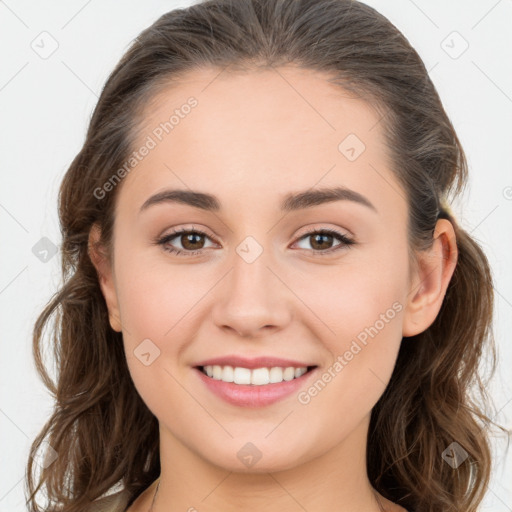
(292, 202)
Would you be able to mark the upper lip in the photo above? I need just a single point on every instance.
(256, 362)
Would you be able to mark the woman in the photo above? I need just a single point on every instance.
(268, 304)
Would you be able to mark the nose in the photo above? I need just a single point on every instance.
(253, 299)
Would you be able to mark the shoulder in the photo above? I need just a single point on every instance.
(115, 502)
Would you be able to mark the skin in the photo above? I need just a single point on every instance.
(252, 139)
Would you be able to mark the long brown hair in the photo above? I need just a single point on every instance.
(102, 431)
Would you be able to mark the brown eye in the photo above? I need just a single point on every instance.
(321, 241)
(191, 240)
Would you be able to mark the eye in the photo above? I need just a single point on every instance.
(321, 238)
(191, 243)
(189, 240)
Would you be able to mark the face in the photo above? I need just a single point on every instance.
(325, 284)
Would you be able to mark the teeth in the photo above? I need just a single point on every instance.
(256, 377)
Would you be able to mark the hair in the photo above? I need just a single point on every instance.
(103, 432)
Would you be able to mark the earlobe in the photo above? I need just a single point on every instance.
(428, 287)
(105, 276)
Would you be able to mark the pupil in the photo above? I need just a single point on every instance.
(190, 239)
(321, 236)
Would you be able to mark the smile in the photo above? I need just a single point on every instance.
(256, 376)
(257, 387)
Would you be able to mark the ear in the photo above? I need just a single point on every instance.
(430, 280)
(105, 276)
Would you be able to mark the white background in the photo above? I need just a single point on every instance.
(45, 107)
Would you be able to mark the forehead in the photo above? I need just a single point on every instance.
(241, 135)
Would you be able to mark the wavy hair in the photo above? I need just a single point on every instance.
(103, 431)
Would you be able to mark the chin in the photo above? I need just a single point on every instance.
(255, 458)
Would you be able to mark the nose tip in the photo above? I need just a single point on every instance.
(248, 326)
(251, 300)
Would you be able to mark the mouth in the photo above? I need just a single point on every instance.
(254, 377)
(258, 387)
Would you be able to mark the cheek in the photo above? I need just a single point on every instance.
(156, 307)
(363, 309)
(353, 294)
(361, 302)
(154, 296)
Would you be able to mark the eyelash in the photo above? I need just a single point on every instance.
(346, 242)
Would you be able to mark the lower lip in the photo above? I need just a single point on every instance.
(244, 395)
